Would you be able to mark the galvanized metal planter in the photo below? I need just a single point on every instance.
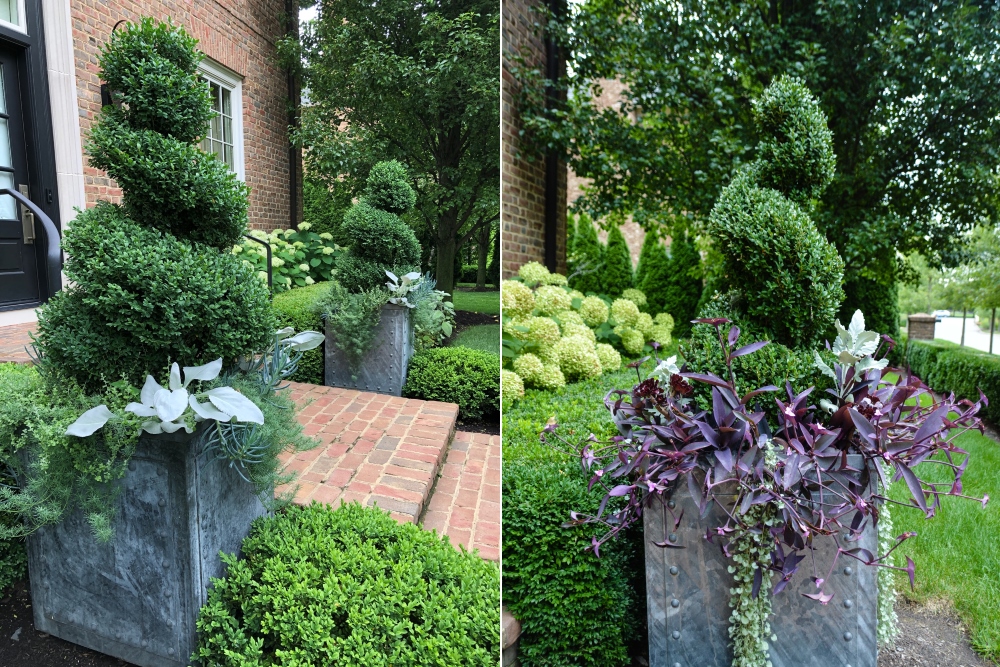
(687, 592)
(383, 370)
(137, 598)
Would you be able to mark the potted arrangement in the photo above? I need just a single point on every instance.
(739, 491)
(367, 312)
(146, 438)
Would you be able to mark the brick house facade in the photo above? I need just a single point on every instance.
(523, 191)
(55, 46)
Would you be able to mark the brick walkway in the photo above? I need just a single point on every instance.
(401, 454)
(465, 504)
(13, 340)
(375, 449)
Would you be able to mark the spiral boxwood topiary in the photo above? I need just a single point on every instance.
(152, 280)
(789, 275)
(378, 239)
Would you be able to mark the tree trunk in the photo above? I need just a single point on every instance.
(446, 247)
(483, 246)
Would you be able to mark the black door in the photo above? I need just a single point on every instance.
(19, 276)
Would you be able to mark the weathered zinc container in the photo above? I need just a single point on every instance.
(383, 370)
(137, 597)
(687, 593)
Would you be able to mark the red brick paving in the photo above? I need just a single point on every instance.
(383, 450)
(375, 449)
(465, 503)
(13, 339)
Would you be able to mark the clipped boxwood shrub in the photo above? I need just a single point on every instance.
(318, 587)
(947, 367)
(460, 375)
(574, 608)
(299, 308)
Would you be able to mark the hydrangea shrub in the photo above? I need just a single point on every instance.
(299, 257)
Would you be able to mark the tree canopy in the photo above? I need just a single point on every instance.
(416, 82)
(909, 88)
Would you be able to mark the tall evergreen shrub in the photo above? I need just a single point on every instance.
(655, 283)
(651, 245)
(683, 291)
(587, 255)
(152, 280)
(617, 275)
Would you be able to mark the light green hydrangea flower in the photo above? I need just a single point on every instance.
(326, 236)
(511, 388)
(328, 250)
(304, 268)
(578, 359)
(557, 279)
(533, 273)
(594, 311)
(665, 320)
(552, 378)
(543, 331)
(512, 327)
(638, 297)
(644, 323)
(582, 330)
(610, 359)
(660, 334)
(304, 226)
(277, 262)
(625, 312)
(576, 294)
(309, 280)
(548, 355)
(550, 299)
(516, 298)
(568, 317)
(632, 339)
(529, 368)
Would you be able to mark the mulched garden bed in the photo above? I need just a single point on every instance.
(21, 644)
(930, 635)
(467, 318)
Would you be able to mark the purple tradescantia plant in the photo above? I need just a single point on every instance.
(823, 470)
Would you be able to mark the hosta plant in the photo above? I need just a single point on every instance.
(793, 481)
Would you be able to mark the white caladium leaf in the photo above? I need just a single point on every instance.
(857, 325)
(392, 276)
(204, 373)
(208, 411)
(149, 390)
(141, 410)
(175, 377)
(90, 421)
(173, 427)
(307, 340)
(170, 405)
(823, 368)
(282, 334)
(232, 402)
(411, 276)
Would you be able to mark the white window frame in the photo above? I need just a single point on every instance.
(19, 27)
(225, 77)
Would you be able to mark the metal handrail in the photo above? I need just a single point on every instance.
(53, 255)
(268, 247)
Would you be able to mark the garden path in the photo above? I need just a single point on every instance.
(402, 454)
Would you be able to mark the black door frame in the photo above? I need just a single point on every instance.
(37, 111)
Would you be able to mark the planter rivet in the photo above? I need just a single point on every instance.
(677, 664)
(131, 465)
(673, 570)
(676, 634)
(671, 504)
(166, 564)
(848, 571)
(848, 604)
(672, 537)
(162, 502)
(170, 624)
(145, 643)
(848, 636)
(170, 651)
(675, 603)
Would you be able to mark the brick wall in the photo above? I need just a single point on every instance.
(239, 34)
(523, 181)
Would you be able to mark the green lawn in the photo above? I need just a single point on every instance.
(957, 553)
(478, 302)
(484, 337)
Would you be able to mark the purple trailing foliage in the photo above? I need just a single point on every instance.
(803, 467)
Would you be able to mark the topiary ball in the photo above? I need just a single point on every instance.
(380, 241)
(388, 188)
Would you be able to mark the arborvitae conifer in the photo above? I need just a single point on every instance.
(617, 264)
(684, 288)
(650, 245)
(588, 257)
(656, 282)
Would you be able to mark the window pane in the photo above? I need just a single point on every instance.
(227, 130)
(216, 127)
(216, 93)
(3, 94)
(227, 102)
(229, 157)
(8, 209)
(4, 144)
(8, 12)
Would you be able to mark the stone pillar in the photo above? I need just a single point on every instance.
(920, 326)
